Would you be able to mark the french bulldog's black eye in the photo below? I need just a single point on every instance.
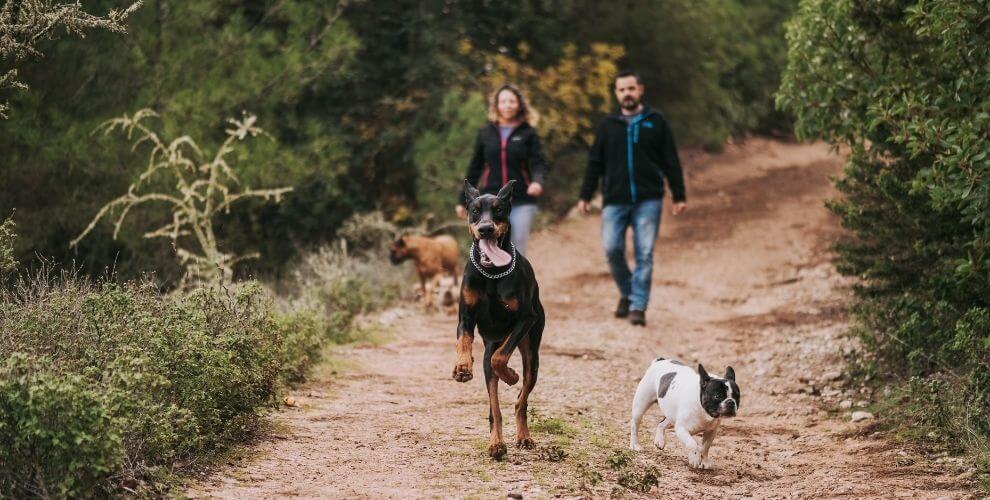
(476, 211)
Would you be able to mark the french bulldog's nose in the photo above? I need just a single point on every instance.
(486, 230)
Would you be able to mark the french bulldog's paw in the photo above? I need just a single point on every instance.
(694, 459)
(659, 440)
(635, 447)
(706, 464)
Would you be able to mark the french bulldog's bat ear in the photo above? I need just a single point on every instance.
(470, 192)
(505, 194)
(730, 374)
(705, 377)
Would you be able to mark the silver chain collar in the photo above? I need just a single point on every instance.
(503, 274)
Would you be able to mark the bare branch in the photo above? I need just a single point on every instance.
(200, 192)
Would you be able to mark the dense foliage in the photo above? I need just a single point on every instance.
(906, 85)
(368, 104)
(100, 383)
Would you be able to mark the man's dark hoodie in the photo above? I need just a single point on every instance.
(632, 158)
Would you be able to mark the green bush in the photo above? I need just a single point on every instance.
(352, 277)
(56, 436)
(303, 336)
(7, 260)
(131, 379)
(905, 85)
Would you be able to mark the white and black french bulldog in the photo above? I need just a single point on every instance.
(694, 403)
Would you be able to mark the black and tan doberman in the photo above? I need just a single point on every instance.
(499, 296)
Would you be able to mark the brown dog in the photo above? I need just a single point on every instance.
(432, 257)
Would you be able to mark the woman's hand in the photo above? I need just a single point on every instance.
(461, 211)
(583, 207)
(534, 189)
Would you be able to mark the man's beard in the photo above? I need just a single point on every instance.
(630, 103)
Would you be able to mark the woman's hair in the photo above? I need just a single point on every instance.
(525, 113)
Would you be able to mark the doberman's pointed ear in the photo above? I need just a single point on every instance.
(730, 374)
(505, 194)
(705, 377)
(470, 192)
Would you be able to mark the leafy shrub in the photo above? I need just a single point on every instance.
(352, 277)
(128, 379)
(7, 260)
(903, 84)
(56, 437)
(303, 337)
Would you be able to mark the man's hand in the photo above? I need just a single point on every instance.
(584, 207)
(534, 189)
(679, 207)
(461, 211)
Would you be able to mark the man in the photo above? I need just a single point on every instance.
(632, 154)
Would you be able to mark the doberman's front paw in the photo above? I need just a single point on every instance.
(462, 372)
(525, 442)
(497, 450)
(508, 375)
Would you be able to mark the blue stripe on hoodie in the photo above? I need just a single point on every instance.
(632, 137)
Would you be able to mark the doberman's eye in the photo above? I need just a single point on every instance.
(476, 211)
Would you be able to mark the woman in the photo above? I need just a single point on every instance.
(508, 148)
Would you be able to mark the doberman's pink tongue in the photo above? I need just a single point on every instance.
(496, 255)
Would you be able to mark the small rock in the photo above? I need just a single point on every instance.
(830, 376)
(858, 416)
(966, 476)
(845, 405)
(515, 495)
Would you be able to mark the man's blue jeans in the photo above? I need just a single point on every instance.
(644, 217)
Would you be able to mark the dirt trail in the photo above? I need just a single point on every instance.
(743, 278)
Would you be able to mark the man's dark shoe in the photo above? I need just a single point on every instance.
(622, 310)
(637, 317)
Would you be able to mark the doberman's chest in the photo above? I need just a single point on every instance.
(496, 313)
(498, 305)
